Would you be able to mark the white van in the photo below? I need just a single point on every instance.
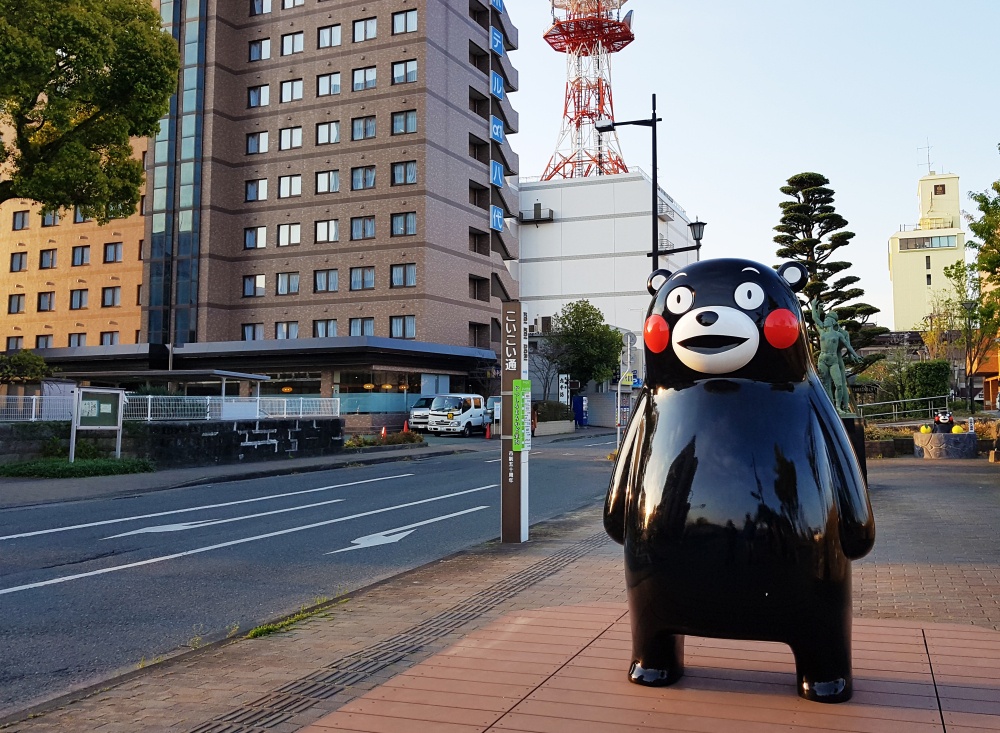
(419, 413)
(458, 413)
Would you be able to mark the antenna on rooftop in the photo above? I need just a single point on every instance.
(928, 149)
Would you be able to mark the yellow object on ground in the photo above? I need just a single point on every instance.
(957, 429)
(925, 428)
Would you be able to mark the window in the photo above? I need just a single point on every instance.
(259, 7)
(364, 78)
(50, 219)
(403, 327)
(113, 252)
(404, 123)
(253, 286)
(255, 238)
(327, 181)
(109, 338)
(111, 297)
(286, 330)
(260, 49)
(289, 186)
(927, 262)
(404, 72)
(327, 231)
(362, 178)
(138, 298)
(47, 259)
(328, 84)
(77, 339)
(46, 302)
(928, 279)
(364, 30)
(256, 143)
(363, 227)
(362, 326)
(327, 328)
(43, 342)
(289, 235)
(256, 190)
(291, 91)
(404, 173)
(15, 343)
(327, 133)
(253, 331)
(15, 303)
(405, 22)
(403, 276)
(78, 299)
(363, 128)
(20, 220)
(81, 255)
(928, 242)
(325, 281)
(362, 278)
(287, 4)
(293, 43)
(404, 225)
(78, 216)
(19, 262)
(259, 96)
(288, 283)
(329, 35)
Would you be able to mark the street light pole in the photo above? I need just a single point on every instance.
(656, 196)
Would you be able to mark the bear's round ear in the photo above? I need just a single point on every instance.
(655, 281)
(794, 274)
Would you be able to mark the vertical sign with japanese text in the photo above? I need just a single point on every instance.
(515, 413)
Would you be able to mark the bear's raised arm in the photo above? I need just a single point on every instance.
(621, 478)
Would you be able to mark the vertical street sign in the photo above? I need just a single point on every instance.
(515, 424)
(497, 5)
(496, 41)
(496, 85)
(496, 173)
(496, 218)
(496, 129)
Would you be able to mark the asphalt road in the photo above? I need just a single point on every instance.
(90, 589)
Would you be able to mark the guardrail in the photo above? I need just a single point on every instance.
(153, 408)
(897, 410)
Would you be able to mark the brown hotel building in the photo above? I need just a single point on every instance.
(318, 202)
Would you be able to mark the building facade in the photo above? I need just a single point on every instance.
(918, 253)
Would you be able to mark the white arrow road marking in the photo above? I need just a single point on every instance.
(198, 550)
(395, 535)
(494, 460)
(199, 508)
(209, 522)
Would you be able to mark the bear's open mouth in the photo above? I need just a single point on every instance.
(712, 344)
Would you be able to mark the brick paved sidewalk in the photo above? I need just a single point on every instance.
(291, 680)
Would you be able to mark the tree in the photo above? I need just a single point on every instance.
(78, 80)
(810, 232)
(987, 228)
(545, 356)
(590, 348)
(978, 315)
(23, 366)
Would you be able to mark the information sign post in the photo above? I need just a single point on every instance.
(97, 409)
(515, 424)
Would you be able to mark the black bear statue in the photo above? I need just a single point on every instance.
(736, 493)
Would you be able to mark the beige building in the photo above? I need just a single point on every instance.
(918, 253)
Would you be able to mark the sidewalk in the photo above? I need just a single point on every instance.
(534, 637)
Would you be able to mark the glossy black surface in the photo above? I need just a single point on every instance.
(736, 491)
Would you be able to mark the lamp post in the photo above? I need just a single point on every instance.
(970, 307)
(697, 232)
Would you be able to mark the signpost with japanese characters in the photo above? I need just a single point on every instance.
(515, 423)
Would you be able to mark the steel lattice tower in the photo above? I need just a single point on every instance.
(588, 32)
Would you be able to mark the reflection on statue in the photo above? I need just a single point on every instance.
(830, 364)
(735, 491)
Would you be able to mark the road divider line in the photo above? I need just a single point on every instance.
(493, 460)
(591, 445)
(199, 508)
(231, 543)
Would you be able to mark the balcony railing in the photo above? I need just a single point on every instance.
(155, 408)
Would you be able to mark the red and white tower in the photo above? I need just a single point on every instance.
(588, 32)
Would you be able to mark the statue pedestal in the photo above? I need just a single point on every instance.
(945, 445)
(856, 432)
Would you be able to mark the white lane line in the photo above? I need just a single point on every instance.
(180, 526)
(494, 460)
(198, 550)
(591, 445)
(198, 508)
(395, 535)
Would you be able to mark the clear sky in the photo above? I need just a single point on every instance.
(753, 92)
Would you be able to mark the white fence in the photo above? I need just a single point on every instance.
(153, 408)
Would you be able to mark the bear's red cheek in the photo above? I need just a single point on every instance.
(781, 328)
(656, 334)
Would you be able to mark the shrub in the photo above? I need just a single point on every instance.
(58, 468)
(364, 441)
(873, 431)
(550, 410)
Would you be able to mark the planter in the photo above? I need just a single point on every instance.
(945, 445)
(880, 449)
(903, 446)
(555, 427)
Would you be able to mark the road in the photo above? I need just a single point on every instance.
(90, 589)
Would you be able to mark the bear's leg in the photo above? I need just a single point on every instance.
(823, 664)
(657, 657)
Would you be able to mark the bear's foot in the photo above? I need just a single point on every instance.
(829, 691)
(654, 677)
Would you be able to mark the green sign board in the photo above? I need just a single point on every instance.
(521, 414)
(99, 409)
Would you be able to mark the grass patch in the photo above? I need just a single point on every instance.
(62, 468)
(321, 606)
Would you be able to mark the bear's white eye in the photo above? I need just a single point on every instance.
(679, 300)
(749, 295)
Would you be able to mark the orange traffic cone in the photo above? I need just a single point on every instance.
(383, 432)
(406, 426)
(489, 433)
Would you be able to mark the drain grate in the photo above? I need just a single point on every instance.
(300, 695)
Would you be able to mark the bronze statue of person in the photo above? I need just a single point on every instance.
(830, 364)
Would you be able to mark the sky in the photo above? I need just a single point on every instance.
(751, 93)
